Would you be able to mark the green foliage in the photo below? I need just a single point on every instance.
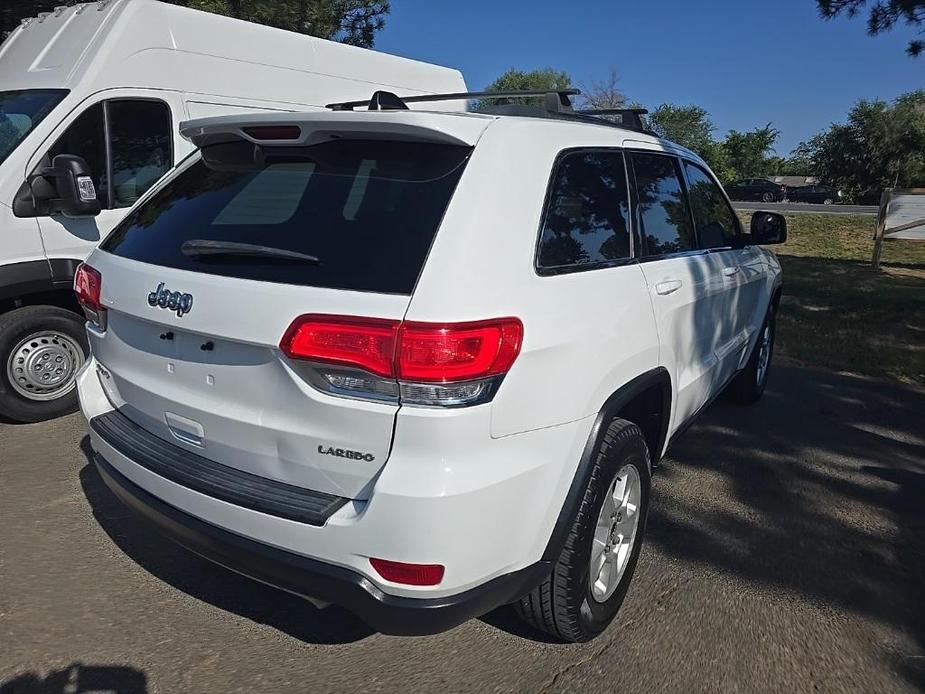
(884, 15)
(349, 21)
(689, 126)
(514, 80)
(748, 154)
(882, 145)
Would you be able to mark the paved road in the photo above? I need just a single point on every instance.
(786, 552)
(805, 207)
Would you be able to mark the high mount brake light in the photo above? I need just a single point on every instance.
(273, 132)
(88, 285)
(446, 364)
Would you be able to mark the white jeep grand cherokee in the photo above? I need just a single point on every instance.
(421, 364)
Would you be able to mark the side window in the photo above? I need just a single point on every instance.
(140, 144)
(86, 138)
(713, 217)
(664, 217)
(586, 220)
(139, 132)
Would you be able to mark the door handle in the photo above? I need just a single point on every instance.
(668, 286)
(730, 271)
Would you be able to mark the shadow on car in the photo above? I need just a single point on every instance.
(208, 582)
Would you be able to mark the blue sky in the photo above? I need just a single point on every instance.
(748, 63)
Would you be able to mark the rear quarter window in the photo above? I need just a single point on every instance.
(368, 210)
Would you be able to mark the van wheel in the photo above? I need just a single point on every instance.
(41, 350)
(748, 385)
(588, 582)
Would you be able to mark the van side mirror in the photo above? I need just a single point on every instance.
(75, 194)
(768, 228)
(66, 187)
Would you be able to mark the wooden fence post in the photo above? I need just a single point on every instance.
(881, 227)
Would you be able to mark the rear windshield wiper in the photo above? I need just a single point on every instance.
(204, 247)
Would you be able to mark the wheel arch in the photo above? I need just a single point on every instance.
(39, 282)
(650, 388)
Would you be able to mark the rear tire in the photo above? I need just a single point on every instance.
(748, 385)
(571, 604)
(41, 350)
(767, 197)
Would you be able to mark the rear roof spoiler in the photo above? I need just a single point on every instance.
(300, 129)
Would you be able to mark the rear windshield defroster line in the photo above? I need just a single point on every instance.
(367, 209)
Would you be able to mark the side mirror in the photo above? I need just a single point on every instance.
(75, 194)
(768, 228)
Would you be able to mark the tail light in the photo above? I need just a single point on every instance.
(438, 364)
(88, 284)
(409, 574)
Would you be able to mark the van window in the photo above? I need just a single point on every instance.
(664, 217)
(139, 132)
(21, 111)
(86, 138)
(714, 219)
(587, 213)
(367, 210)
(139, 140)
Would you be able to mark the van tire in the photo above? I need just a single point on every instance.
(563, 605)
(16, 326)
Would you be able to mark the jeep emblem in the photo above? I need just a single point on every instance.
(344, 453)
(172, 301)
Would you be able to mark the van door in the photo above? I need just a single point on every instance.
(128, 145)
(684, 283)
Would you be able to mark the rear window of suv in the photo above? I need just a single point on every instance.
(367, 210)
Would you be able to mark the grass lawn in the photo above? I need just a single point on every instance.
(839, 313)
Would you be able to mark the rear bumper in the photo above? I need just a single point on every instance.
(301, 575)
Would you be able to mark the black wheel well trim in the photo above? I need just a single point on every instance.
(32, 278)
(618, 400)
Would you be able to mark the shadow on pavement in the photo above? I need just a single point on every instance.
(818, 490)
(208, 582)
(79, 679)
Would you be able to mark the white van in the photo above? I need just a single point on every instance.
(107, 84)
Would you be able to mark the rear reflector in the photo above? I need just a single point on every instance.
(408, 574)
(274, 132)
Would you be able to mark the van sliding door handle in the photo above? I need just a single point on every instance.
(730, 271)
(668, 286)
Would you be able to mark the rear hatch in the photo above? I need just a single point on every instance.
(202, 280)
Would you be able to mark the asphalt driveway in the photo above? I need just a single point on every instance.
(786, 552)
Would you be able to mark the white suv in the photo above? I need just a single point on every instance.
(420, 364)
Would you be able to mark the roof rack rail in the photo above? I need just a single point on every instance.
(631, 117)
(557, 104)
(382, 100)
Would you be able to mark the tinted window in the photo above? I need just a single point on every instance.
(664, 217)
(86, 138)
(21, 111)
(367, 210)
(139, 133)
(586, 216)
(714, 219)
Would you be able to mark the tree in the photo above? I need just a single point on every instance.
(689, 126)
(518, 80)
(604, 93)
(883, 16)
(746, 155)
(882, 145)
(349, 21)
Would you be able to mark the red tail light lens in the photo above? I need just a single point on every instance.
(408, 574)
(88, 283)
(434, 353)
(364, 343)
